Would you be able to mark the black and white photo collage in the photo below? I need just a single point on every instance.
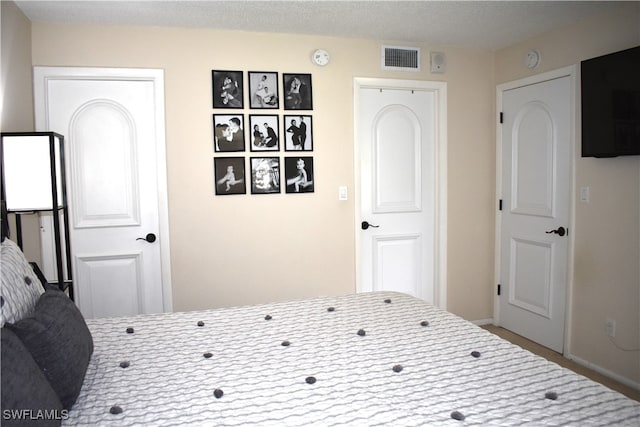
(281, 122)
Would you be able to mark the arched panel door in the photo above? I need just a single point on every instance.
(536, 179)
(113, 121)
(397, 136)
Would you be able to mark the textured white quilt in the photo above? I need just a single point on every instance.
(384, 359)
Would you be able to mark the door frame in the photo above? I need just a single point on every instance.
(571, 72)
(43, 74)
(440, 216)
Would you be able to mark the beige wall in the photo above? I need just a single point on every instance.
(16, 112)
(248, 249)
(606, 281)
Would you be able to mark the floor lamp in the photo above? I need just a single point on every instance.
(33, 182)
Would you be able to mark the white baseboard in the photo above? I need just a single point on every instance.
(481, 322)
(607, 373)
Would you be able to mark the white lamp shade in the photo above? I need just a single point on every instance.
(27, 172)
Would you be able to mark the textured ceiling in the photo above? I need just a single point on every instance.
(475, 24)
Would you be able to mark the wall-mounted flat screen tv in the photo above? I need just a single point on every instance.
(610, 89)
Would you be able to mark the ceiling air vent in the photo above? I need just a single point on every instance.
(400, 58)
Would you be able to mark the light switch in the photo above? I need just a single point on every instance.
(342, 193)
(584, 194)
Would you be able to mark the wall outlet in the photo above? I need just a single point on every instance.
(610, 327)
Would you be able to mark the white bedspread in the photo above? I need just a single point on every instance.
(384, 359)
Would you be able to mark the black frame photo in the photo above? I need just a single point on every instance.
(263, 90)
(297, 91)
(264, 132)
(265, 175)
(227, 89)
(298, 133)
(229, 175)
(299, 174)
(228, 133)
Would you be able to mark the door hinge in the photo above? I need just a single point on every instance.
(500, 204)
(501, 117)
(499, 289)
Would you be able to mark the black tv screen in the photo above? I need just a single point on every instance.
(611, 104)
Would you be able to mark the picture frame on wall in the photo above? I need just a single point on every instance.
(227, 89)
(229, 176)
(228, 133)
(264, 132)
(265, 175)
(298, 132)
(299, 174)
(297, 91)
(263, 90)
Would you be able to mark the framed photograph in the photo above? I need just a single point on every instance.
(297, 93)
(227, 88)
(265, 175)
(228, 132)
(264, 132)
(299, 174)
(298, 133)
(263, 89)
(229, 175)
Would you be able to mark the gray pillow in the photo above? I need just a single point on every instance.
(24, 387)
(59, 341)
(20, 285)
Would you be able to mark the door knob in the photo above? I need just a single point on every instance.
(560, 231)
(149, 238)
(366, 225)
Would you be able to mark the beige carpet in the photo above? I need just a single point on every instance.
(562, 361)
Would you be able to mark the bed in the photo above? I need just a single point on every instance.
(369, 359)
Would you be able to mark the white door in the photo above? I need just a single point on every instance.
(536, 198)
(397, 135)
(113, 123)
